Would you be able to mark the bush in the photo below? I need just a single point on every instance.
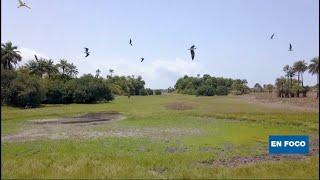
(25, 90)
(222, 91)
(150, 91)
(6, 78)
(201, 91)
(210, 91)
(54, 91)
(143, 92)
(90, 89)
(158, 92)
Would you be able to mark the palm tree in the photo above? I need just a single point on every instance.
(280, 85)
(33, 67)
(9, 55)
(37, 67)
(63, 64)
(111, 71)
(98, 73)
(41, 67)
(300, 67)
(72, 70)
(314, 69)
(289, 74)
(50, 68)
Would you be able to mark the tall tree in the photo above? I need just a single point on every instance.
(280, 86)
(98, 73)
(41, 67)
(289, 74)
(50, 68)
(314, 69)
(63, 65)
(9, 55)
(72, 70)
(111, 71)
(300, 67)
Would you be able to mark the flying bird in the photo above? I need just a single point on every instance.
(130, 42)
(87, 52)
(290, 47)
(142, 59)
(272, 36)
(192, 48)
(22, 4)
(35, 56)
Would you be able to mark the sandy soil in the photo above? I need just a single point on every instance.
(310, 103)
(179, 106)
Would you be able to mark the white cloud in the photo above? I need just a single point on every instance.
(28, 54)
(159, 73)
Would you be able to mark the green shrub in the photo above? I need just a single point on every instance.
(25, 90)
(6, 78)
(143, 92)
(222, 91)
(157, 92)
(149, 91)
(90, 89)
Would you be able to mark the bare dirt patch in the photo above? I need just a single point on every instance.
(87, 118)
(239, 161)
(89, 126)
(179, 106)
(309, 103)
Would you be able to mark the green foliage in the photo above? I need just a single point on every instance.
(90, 89)
(157, 92)
(25, 90)
(143, 92)
(222, 90)
(257, 88)
(6, 79)
(207, 85)
(149, 91)
(121, 85)
(9, 55)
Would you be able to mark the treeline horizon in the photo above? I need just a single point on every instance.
(40, 81)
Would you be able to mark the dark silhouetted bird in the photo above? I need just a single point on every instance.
(272, 36)
(22, 4)
(142, 59)
(35, 56)
(130, 42)
(290, 47)
(192, 48)
(86, 52)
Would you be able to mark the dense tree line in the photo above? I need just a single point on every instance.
(42, 81)
(210, 86)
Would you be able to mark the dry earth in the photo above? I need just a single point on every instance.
(309, 103)
(93, 125)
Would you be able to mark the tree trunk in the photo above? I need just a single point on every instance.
(302, 79)
(298, 92)
(318, 85)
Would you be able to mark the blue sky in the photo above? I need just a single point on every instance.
(232, 36)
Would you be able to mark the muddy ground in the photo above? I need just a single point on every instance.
(92, 125)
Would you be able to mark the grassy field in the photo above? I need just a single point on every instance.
(168, 136)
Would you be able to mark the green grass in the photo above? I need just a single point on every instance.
(227, 127)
